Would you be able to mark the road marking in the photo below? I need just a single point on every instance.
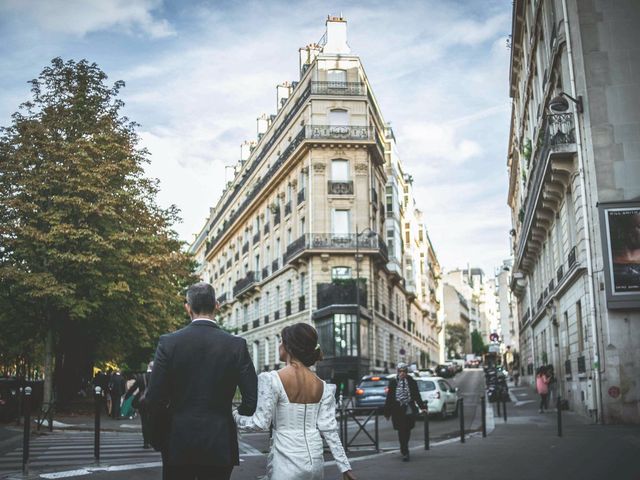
(89, 470)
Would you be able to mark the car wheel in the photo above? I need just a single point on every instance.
(443, 412)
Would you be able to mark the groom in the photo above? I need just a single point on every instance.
(195, 375)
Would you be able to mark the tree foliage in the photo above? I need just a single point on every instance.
(456, 338)
(477, 344)
(84, 249)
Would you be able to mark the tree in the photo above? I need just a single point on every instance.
(456, 338)
(90, 267)
(477, 344)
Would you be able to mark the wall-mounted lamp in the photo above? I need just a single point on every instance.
(559, 103)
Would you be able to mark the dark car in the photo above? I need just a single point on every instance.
(444, 371)
(372, 391)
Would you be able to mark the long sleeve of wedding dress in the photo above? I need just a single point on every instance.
(328, 427)
(261, 419)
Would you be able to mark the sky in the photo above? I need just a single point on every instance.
(198, 74)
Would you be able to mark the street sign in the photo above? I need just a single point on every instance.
(403, 351)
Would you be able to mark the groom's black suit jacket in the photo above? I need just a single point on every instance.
(195, 374)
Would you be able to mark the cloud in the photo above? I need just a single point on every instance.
(80, 17)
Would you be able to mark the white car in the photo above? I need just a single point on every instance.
(440, 397)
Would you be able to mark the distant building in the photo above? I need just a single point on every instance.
(574, 190)
(456, 312)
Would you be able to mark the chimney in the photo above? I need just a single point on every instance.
(282, 94)
(263, 124)
(245, 151)
(336, 36)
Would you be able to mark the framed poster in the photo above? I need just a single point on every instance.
(620, 231)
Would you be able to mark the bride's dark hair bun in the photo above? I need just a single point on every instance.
(300, 340)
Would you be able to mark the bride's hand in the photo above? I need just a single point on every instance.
(348, 475)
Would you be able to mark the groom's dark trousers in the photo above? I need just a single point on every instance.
(195, 375)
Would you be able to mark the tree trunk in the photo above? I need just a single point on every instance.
(48, 367)
(74, 361)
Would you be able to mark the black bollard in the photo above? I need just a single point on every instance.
(498, 404)
(504, 410)
(483, 412)
(426, 430)
(559, 416)
(96, 428)
(461, 415)
(27, 429)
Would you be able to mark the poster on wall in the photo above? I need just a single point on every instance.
(620, 228)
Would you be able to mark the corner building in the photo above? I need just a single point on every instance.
(574, 190)
(310, 228)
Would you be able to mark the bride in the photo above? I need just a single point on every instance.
(301, 408)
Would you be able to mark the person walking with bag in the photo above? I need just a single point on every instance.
(400, 405)
(542, 387)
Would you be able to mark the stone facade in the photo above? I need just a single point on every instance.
(574, 145)
(302, 233)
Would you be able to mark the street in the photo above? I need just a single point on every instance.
(121, 451)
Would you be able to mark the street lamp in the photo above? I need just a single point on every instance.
(559, 104)
(370, 234)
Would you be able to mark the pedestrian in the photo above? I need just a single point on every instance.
(552, 383)
(400, 405)
(137, 394)
(542, 387)
(116, 390)
(196, 372)
(302, 409)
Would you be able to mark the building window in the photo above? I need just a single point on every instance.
(256, 360)
(302, 278)
(340, 224)
(579, 327)
(337, 75)
(340, 170)
(339, 273)
(302, 226)
(338, 335)
(338, 117)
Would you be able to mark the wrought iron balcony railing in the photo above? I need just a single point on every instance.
(245, 247)
(266, 228)
(338, 88)
(340, 188)
(572, 257)
(256, 237)
(334, 241)
(244, 284)
(301, 196)
(287, 208)
(339, 132)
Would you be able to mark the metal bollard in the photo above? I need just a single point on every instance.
(483, 413)
(498, 405)
(27, 429)
(426, 430)
(504, 410)
(377, 437)
(461, 415)
(96, 429)
(558, 405)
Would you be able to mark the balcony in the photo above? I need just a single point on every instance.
(245, 327)
(338, 88)
(287, 308)
(276, 218)
(341, 293)
(310, 242)
(256, 323)
(236, 257)
(560, 273)
(547, 181)
(265, 272)
(275, 266)
(266, 319)
(301, 195)
(222, 298)
(287, 208)
(229, 264)
(256, 237)
(245, 247)
(266, 228)
(339, 132)
(246, 284)
(276, 315)
(340, 188)
(301, 303)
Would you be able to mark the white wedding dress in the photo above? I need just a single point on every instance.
(296, 451)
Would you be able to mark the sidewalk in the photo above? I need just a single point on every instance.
(525, 447)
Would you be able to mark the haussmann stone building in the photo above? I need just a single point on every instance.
(319, 189)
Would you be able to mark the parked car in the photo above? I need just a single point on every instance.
(444, 370)
(372, 391)
(440, 396)
(458, 364)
